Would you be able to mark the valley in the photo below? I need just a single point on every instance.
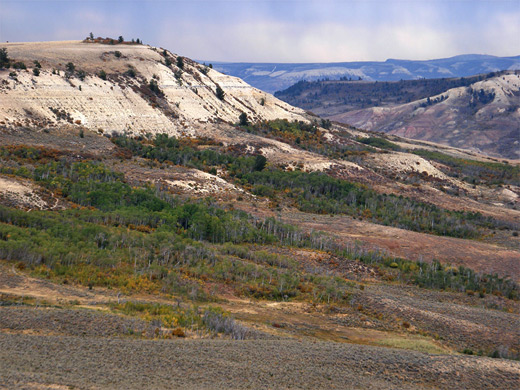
(165, 225)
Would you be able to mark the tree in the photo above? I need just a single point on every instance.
(260, 162)
(70, 67)
(154, 87)
(4, 58)
(120, 39)
(242, 119)
(37, 64)
(91, 36)
(180, 62)
(131, 72)
(220, 92)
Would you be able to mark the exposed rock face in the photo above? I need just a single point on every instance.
(124, 101)
(483, 117)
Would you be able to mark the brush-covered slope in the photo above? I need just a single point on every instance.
(484, 116)
(113, 88)
(480, 113)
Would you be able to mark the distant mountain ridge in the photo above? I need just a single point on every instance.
(272, 77)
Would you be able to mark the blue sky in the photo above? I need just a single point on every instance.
(279, 30)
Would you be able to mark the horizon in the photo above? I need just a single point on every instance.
(290, 31)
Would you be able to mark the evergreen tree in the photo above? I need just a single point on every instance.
(242, 119)
(4, 58)
(180, 62)
(220, 92)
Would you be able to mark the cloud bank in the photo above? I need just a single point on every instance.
(279, 31)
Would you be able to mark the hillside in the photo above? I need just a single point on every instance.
(480, 113)
(272, 77)
(178, 238)
(328, 97)
(122, 100)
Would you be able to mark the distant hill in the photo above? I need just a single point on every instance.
(272, 77)
(333, 97)
(484, 116)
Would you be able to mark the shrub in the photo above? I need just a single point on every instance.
(4, 58)
(178, 332)
(70, 67)
(154, 87)
(219, 322)
(242, 119)
(19, 65)
(36, 71)
(180, 62)
(102, 74)
(117, 53)
(81, 75)
(37, 64)
(379, 143)
(131, 72)
(260, 163)
(220, 92)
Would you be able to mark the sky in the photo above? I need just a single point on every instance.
(278, 30)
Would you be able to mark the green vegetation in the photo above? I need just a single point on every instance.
(4, 58)
(381, 143)
(357, 95)
(319, 193)
(219, 92)
(139, 239)
(184, 152)
(433, 275)
(144, 239)
(472, 171)
(154, 87)
(180, 63)
(309, 137)
(212, 320)
(19, 65)
(242, 119)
